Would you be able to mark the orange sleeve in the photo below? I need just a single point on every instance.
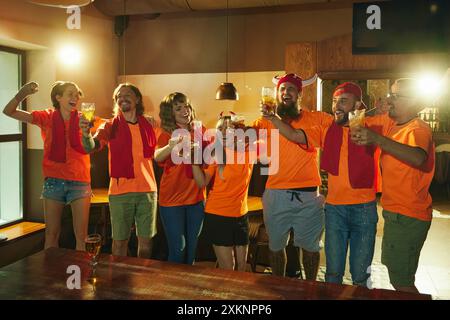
(211, 170)
(380, 123)
(316, 132)
(260, 123)
(421, 138)
(162, 138)
(41, 118)
(103, 133)
(97, 123)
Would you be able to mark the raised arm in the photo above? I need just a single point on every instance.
(201, 177)
(414, 156)
(163, 153)
(294, 135)
(11, 108)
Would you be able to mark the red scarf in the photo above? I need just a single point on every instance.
(361, 169)
(120, 146)
(58, 146)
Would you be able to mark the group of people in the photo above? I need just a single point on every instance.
(291, 200)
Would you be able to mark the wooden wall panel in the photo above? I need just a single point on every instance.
(301, 59)
(333, 59)
(335, 54)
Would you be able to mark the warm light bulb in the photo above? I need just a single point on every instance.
(70, 55)
(430, 85)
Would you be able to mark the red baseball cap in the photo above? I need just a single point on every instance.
(348, 87)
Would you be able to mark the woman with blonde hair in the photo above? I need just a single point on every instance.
(66, 166)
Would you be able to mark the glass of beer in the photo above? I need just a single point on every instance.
(93, 245)
(356, 118)
(88, 110)
(268, 99)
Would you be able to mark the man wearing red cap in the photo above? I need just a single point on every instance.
(291, 200)
(407, 159)
(350, 210)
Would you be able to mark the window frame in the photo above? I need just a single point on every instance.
(21, 137)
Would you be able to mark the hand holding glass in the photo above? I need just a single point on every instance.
(356, 118)
(268, 99)
(88, 110)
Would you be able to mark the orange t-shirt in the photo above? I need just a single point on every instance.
(77, 166)
(405, 188)
(228, 197)
(144, 176)
(297, 167)
(340, 191)
(176, 189)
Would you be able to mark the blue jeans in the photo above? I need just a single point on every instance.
(355, 224)
(182, 225)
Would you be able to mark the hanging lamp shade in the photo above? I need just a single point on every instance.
(227, 91)
(62, 3)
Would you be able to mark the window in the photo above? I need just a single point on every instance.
(12, 139)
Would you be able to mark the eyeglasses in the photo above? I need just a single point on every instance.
(395, 96)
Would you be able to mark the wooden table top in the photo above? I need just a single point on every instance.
(100, 197)
(44, 276)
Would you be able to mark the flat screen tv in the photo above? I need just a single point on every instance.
(401, 26)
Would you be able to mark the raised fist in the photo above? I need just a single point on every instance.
(26, 90)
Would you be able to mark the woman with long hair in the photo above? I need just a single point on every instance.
(66, 166)
(181, 201)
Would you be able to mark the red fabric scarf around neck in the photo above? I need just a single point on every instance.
(58, 146)
(361, 169)
(120, 146)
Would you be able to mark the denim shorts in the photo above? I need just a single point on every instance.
(303, 212)
(65, 191)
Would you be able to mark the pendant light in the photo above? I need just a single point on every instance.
(226, 90)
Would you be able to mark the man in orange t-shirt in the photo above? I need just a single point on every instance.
(407, 162)
(350, 210)
(131, 142)
(291, 199)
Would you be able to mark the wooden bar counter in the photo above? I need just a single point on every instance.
(44, 276)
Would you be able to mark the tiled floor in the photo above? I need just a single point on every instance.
(433, 274)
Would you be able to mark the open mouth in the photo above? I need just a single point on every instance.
(287, 99)
(339, 113)
(73, 104)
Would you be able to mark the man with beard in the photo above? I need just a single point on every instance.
(350, 210)
(132, 188)
(407, 161)
(291, 200)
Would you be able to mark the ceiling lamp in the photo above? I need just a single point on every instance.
(226, 90)
(62, 3)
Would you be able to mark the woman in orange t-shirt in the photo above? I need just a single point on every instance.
(226, 221)
(181, 201)
(66, 166)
